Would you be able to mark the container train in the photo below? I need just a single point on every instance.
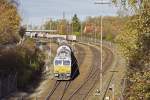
(63, 63)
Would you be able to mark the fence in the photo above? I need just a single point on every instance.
(8, 84)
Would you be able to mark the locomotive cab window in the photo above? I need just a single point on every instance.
(58, 62)
(66, 62)
(63, 53)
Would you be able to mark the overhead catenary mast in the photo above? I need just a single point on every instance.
(64, 15)
(101, 2)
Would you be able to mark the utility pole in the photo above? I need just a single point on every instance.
(95, 29)
(81, 30)
(50, 21)
(63, 15)
(101, 2)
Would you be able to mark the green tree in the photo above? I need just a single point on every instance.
(76, 25)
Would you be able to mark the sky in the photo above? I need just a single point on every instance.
(37, 11)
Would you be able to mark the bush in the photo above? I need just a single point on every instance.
(32, 62)
(77, 33)
(109, 37)
(26, 60)
(139, 86)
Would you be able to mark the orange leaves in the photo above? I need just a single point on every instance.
(9, 22)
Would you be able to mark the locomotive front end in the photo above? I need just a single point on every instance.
(62, 69)
(62, 63)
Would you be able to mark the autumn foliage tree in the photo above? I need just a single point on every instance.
(134, 43)
(9, 22)
(26, 59)
(112, 25)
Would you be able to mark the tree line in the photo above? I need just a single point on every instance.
(89, 27)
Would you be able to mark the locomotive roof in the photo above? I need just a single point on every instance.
(64, 54)
(64, 47)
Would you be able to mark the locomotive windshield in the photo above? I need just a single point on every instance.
(58, 62)
(63, 53)
(66, 62)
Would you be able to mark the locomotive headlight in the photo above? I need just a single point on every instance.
(56, 74)
(68, 74)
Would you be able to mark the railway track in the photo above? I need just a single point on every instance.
(53, 90)
(80, 55)
(56, 85)
(106, 64)
(84, 89)
(65, 89)
(82, 92)
(64, 84)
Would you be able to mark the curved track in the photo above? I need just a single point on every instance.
(81, 87)
(82, 92)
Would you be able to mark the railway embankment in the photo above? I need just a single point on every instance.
(113, 77)
(88, 57)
